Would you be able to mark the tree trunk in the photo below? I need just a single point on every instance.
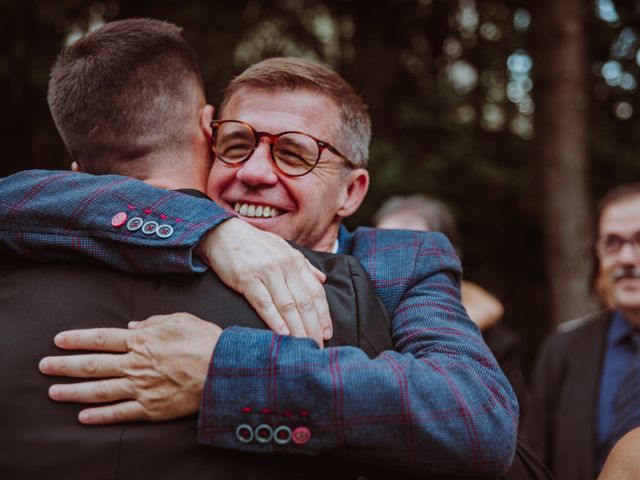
(562, 138)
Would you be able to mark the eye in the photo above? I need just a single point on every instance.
(234, 145)
(612, 243)
(296, 150)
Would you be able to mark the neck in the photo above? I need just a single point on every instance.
(326, 243)
(172, 183)
(180, 170)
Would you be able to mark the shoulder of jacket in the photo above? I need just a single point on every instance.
(582, 322)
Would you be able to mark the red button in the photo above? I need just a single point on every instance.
(301, 435)
(119, 219)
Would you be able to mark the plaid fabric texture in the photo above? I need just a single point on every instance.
(437, 404)
(48, 215)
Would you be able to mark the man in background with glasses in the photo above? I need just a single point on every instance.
(586, 385)
(292, 144)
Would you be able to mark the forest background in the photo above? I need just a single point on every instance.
(517, 113)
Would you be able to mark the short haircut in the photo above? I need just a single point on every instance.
(124, 93)
(433, 212)
(287, 73)
(615, 195)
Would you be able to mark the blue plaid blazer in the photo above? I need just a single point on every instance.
(437, 404)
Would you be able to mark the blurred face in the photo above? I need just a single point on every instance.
(619, 272)
(307, 209)
(403, 220)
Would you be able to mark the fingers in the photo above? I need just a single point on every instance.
(92, 392)
(305, 307)
(320, 303)
(120, 412)
(100, 339)
(317, 273)
(85, 366)
(260, 299)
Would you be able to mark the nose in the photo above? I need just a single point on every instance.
(629, 253)
(259, 169)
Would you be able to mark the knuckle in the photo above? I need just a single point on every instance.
(91, 365)
(317, 291)
(305, 303)
(287, 306)
(262, 301)
(100, 339)
(119, 413)
(102, 391)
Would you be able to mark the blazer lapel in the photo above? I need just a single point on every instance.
(585, 364)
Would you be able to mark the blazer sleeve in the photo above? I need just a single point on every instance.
(120, 221)
(438, 404)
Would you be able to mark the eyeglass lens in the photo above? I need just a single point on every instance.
(293, 153)
(612, 244)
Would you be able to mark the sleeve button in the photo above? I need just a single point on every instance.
(134, 224)
(244, 433)
(264, 433)
(301, 435)
(282, 435)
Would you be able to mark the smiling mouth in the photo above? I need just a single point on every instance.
(252, 210)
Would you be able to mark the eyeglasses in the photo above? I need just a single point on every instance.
(611, 244)
(294, 153)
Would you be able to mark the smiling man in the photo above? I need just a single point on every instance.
(587, 373)
(292, 140)
(313, 199)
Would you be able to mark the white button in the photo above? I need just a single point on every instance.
(264, 433)
(164, 231)
(244, 433)
(149, 228)
(282, 435)
(134, 224)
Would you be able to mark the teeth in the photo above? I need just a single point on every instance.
(251, 210)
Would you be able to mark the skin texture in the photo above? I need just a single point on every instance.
(622, 462)
(162, 353)
(313, 205)
(621, 218)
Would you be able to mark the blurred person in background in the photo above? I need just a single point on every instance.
(587, 376)
(418, 212)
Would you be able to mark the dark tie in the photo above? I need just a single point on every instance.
(626, 405)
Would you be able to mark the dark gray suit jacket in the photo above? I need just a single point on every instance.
(560, 423)
(43, 439)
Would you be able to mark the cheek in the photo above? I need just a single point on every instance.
(219, 177)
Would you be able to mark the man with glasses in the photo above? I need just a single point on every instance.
(584, 385)
(292, 144)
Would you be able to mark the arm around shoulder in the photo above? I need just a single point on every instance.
(120, 221)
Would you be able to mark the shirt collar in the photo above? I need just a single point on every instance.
(620, 328)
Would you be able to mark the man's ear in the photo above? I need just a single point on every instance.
(357, 185)
(75, 167)
(206, 116)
